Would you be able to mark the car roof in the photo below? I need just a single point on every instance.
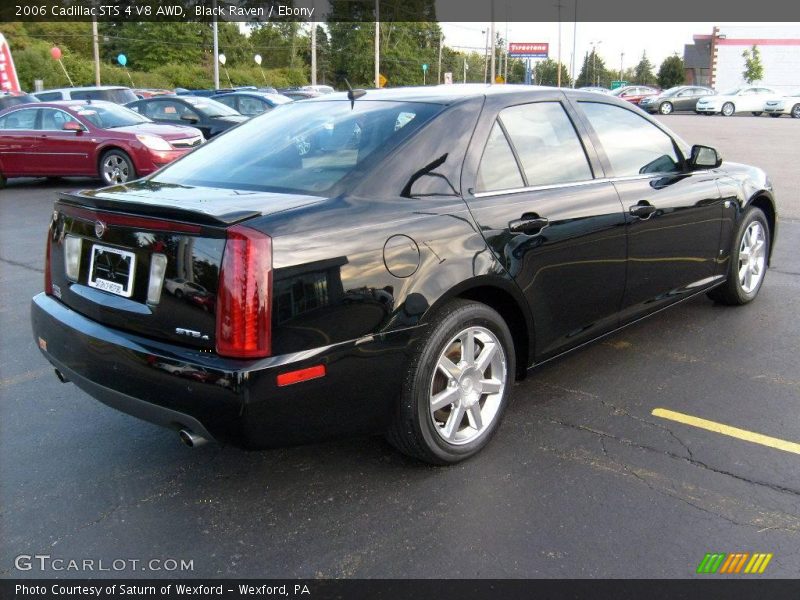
(452, 93)
(85, 88)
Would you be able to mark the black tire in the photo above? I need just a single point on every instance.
(796, 111)
(757, 113)
(3, 181)
(665, 108)
(413, 430)
(116, 167)
(731, 292)
(178, 293)
(728, 109)
(774, 115)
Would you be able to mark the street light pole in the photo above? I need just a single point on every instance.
(594, 61)
(621, 57)
(558, 67)
(313, 49)
(96, 50)
(215, 32)
(377, 43)
(491, 35)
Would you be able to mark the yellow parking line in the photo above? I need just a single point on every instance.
(742, 434)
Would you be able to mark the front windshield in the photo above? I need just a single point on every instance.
(109, 116)
(211, 108)
(305, 147)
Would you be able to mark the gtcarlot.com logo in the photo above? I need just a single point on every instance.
(44, 562)
(737, 563)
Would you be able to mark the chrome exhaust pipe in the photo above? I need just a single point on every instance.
(61, 377)
(192, 440)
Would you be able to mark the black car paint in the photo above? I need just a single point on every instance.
(388, 255)
(209, 126)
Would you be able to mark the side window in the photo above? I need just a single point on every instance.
(135, 108)
(498, 169)
(48, 96)
(632, 144)
(227, 101)
(19, 119)
(53, 120)
(251, 106)
(168, 110)
(546, 143)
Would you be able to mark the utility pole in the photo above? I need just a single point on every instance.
(465, 70)
(96, 48)
(621, 56)
(505, 49)
(574, 44)
(558, 68)
(215, 31)
(313, 49)
(377, 43)
(439, 70)
(494, 44)
(594, 61)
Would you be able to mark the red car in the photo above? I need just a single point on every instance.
(635, 93)
(87, 138)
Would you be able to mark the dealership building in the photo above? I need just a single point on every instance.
(715, 59)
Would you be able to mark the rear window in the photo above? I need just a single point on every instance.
(118, 96)
(305, 147)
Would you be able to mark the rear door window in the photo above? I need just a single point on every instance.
(498, 169)
(546, 143)
(251, 106)
(19, 119)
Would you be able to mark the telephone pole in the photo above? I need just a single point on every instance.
(439, 70)
(313, 49)
(377, 43)
(96, 49)
(558, 67)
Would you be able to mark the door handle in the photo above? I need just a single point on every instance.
(530, 224)
(644, 210)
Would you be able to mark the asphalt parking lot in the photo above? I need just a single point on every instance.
(582, 479)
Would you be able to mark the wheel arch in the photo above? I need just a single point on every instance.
(764, 201)
(503, 296)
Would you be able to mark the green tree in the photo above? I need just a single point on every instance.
(594, 71)
(753, 68)
(546, 73)
(671, 72)
(643, 72)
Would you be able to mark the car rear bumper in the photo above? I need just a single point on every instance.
(236, 402)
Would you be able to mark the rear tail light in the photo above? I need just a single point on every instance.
(244, 310)
(48, 277)
(72, 256)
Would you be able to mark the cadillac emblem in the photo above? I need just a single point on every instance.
(99, 228)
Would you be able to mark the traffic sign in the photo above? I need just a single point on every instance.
(448, 78)
(382, 80)
(618, 84)
(499, 79)
(424, 66)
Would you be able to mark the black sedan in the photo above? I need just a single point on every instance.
(396, 278)
(251, 103)
(207, 115)
(680, 98)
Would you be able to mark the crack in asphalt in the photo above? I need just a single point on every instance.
(14, 263)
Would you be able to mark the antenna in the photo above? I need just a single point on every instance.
(353, 94)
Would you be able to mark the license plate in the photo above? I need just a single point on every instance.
(111, 270)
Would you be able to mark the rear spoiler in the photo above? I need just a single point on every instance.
(152, 208)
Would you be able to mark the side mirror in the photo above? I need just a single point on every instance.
(72, 126)
(189, 118)
(704, 157)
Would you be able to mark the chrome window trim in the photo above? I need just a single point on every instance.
(8, 114)
(555, 186)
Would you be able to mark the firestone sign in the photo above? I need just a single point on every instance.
(528, 49)
(8, 74)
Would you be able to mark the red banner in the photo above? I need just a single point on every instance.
(8, 74)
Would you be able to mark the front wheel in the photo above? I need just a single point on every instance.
(456, 385)
(3, 181)
(774, 115)
(116, 167)
(665, 108)
(796, 111)
(728, 109)
(748, 260)
(757, 113)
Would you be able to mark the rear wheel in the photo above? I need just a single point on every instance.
(748, 260)
(728, 109)
(757, 113)
(3, 181)
(774, 115)
(665, 108)
(116, 167)
(456, 385)
(796, 111)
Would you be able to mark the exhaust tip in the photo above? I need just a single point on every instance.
(192, 440)
(61, 377)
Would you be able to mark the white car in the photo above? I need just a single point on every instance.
(787, 105)
(180, 287)
(749, 98)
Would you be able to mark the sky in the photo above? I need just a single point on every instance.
(659, 40)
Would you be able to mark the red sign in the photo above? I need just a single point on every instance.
(529, 49)
(8, 74)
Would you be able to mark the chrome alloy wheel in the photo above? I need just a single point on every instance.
(752, 257)
(468, 385)
(115, 169)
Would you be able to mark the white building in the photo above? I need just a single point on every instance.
(779, 46)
